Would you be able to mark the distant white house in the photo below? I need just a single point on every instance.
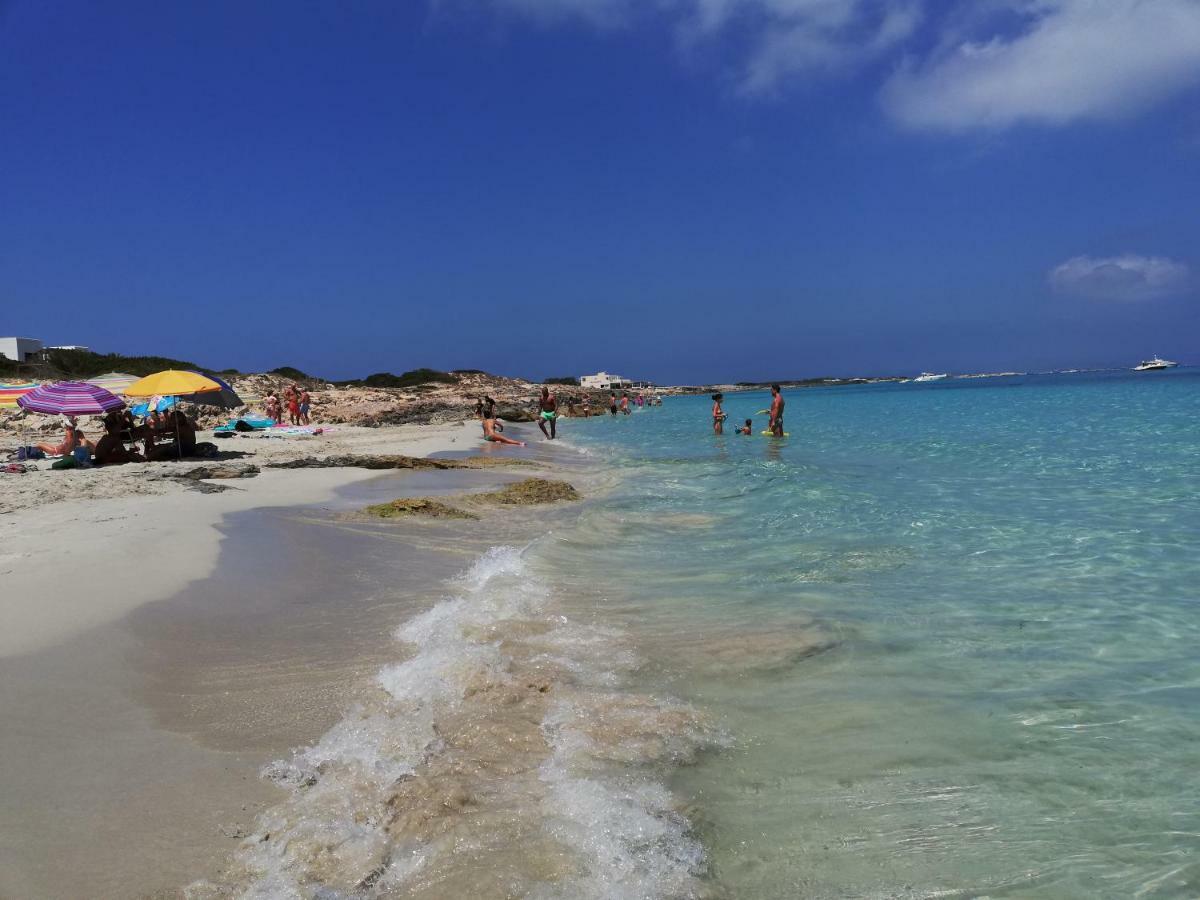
(602, 381)
(19, 349)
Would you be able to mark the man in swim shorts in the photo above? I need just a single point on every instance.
(548, 412)
(775, 424)
(612, 402)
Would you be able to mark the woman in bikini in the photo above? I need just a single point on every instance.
(718, 414)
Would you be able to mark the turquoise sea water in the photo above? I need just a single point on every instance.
(951, 631)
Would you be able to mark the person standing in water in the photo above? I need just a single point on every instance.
(775, 423)
(625, 402)
(612, 402)
(718, 414)
(548, 412)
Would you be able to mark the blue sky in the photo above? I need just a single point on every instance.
(682, 190)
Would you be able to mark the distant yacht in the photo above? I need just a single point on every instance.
(930, 376)
(1150, 365)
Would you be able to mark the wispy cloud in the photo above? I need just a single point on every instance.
(993, 63)
(1068, 60)
(1127, 277)
(776, 40)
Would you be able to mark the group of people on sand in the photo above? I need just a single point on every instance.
(296, 401)
(774, 422)
(120, 430)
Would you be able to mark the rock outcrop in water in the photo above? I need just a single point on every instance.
(416, 506)
(529, 492)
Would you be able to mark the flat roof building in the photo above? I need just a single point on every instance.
(602, 381)
(19, 349)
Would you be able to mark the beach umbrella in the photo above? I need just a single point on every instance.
(226, 398)
(172, 383)
(70, 398)
(9, 393)
(116, 382)
(162, 404)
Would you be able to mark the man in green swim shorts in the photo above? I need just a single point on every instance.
(548, 407)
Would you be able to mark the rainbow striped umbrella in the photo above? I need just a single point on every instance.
(70, 398)
(9, 393)
(113, 382)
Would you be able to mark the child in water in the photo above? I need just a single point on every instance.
(747, 429)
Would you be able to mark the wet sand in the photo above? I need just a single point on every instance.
(134, 749)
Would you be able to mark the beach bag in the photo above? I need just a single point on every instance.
(67, 462)
(83, 457)
(242, 425)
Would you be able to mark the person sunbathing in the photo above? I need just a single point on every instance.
(72, 438)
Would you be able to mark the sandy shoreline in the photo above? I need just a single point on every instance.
(80, 548)
(142, 688)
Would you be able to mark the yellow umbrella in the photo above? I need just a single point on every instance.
(171, 383)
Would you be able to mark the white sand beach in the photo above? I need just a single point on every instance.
(91, 528)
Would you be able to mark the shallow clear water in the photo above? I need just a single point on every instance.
(951, 629)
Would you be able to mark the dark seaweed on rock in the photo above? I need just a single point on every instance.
(417, 506)
(374, 461)
(529, 492)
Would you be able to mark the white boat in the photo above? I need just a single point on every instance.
(1151, 365)
(930, 376)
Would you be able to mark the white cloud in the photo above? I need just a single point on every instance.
(1072, 60)
(1127, 277)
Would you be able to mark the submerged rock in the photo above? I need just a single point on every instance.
(416, 506)
(529, 492)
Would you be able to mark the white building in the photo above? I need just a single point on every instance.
(602, 381)
(19, 349)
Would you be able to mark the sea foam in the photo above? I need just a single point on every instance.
(502, 757)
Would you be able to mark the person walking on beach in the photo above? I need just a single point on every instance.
(775, 423)
(548, 412)
(718, 414)
(491, 430)
(305, 406)
(612, 402)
